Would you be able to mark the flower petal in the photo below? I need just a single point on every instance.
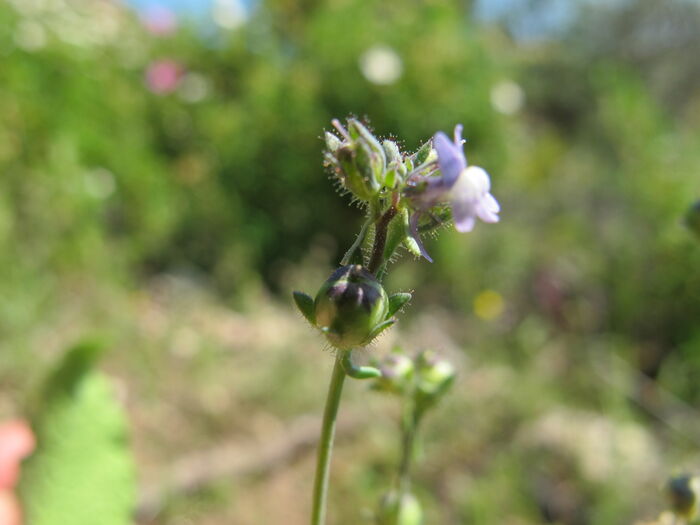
(479, 178)
(491, 204)
(485, 214)
(458, 135)
(450, 158)
(464, 213)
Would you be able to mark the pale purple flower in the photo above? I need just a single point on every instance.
(163, 76)
(465, 188)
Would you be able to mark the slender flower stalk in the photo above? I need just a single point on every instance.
(409, 429)
(325, 446)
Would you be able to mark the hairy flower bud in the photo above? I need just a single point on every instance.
(351, 307)
(682, 493)
(397, 373)
(359, 160)
(399, 509)
(392, 152)
(357, 172)
(434, 377)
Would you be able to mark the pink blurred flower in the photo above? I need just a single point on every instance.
(163, 76)
(16, 443)
(159, 20)
(10, 511)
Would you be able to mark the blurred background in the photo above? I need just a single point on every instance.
(161, 189)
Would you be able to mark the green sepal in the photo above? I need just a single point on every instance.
(392, 151)
(420, 156)
(412, 246)
(437, 217)
(305, 304)
(358, 372)
(398, 233)
(357, 130)
(379, 329)
(371, 168)
(397, 301)
(390, 178)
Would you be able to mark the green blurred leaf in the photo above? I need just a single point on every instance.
(82, 472)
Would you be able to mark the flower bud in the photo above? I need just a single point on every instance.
(682, 493)
(359, 161)
(360, 133)
(692, 219)
(350, 307)
(357, 170)
(392, 151)
(397, 373)
(333, 143)
(399, 509)
(434, 377)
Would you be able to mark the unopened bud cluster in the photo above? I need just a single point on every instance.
(365, 166)
(425, 378)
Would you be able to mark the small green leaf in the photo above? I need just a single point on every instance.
(82, 472)
(75, 363)
(397, 301)
(305, 305)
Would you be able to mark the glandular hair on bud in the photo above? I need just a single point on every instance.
(333, 143)
(349, 306)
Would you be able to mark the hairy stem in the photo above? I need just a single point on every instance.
(381, 229)
(325, 445)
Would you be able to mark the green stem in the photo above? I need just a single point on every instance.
(325, 446)
(409, 429)
(358, 372)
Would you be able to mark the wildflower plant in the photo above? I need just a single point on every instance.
(405, 196)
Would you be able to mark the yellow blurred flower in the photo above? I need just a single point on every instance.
(488, 305)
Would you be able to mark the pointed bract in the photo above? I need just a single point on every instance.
(305, 304)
